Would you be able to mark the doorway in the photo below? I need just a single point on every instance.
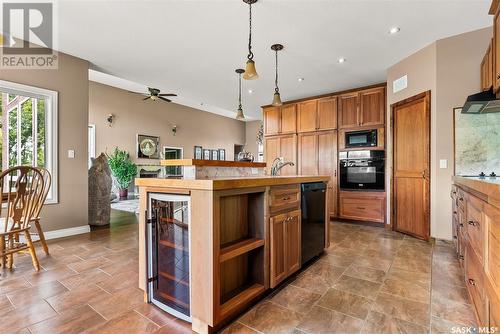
(411, 166)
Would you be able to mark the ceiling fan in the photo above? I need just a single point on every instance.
(154, 94)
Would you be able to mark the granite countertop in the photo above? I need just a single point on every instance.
(229, 182)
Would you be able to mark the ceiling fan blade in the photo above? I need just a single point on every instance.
(168, 95)
(164, 99)
(147, 97)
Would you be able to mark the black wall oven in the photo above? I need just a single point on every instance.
(362, 170)
(360, 139)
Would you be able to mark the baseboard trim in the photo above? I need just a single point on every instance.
(66, 232)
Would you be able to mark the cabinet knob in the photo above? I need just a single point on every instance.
(498, 76)
(461, 257)
(461, 224)
(455, 237)
(473, 223)
(472, 282)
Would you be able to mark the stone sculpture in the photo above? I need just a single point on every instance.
(99, 191)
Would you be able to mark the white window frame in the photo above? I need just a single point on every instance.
(91, 140)
(51, 126)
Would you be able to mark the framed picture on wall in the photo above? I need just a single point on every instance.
(215, 154)
(206, 154)
(147, 147)
(222, 154)
(198, 152)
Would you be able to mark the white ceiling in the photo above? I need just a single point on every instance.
(192, 47)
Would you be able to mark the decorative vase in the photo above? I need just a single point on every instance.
(123, 193)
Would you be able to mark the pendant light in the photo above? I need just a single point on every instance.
(239, 113)
(276, 98)
(250, 71)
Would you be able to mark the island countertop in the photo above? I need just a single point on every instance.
(223, 183)
(486, 188)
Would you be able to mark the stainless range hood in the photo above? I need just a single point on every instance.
(481, 103)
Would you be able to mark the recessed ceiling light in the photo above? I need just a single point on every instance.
(394, 30)
(341, 60)
(250, 91)
(300, 79)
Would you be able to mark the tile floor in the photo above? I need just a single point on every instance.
(370, 281)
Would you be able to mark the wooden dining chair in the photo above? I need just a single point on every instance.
(40, 237)
(22, 189)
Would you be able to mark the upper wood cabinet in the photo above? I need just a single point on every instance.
(496, 52)
(362, 108)
(348, 110)
(372, 107)
(280, 120)
(282, 146)
(487, 69)
(314, 115)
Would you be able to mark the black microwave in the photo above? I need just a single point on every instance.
(364, 138)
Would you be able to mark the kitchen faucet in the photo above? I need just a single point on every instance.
(278, 164)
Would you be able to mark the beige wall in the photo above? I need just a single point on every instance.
(449, 68)
(133, 116)
(71, 81)
(251, 130)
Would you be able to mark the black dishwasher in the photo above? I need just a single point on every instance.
(313, 202)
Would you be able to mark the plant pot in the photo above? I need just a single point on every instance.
(123, 193)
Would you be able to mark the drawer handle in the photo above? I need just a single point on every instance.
(361, 208)
(461, 257)
(286, 198)
(461, 224)
(472, 282)
(461, 199)
(455, 237)
(473, 223)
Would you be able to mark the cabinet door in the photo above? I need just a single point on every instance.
(307, 116)
(271, 120)
(293, 243)
(372, 106)
(496, 51)
(348, 110)
(277, 237)
(308, 154)
(327, 113)
(272, 147)
(288, 150)
(288, 119)
(327, 164)
(489, 67)
(483, 73)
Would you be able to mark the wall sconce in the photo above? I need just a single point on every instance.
(174, 129)
(110, 119)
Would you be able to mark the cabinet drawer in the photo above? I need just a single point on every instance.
(461, 200)
(474, 280)
(362, 208)
(284, 198)
(461, 251)
(475, 226)
(492, 268)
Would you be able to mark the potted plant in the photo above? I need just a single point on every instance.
(123, 169)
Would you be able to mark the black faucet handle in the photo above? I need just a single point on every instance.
(493, 174)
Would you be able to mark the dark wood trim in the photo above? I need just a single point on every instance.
(382, 84)
(494, 7)
(427, 96)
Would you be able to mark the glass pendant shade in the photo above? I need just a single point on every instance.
(250, 71)
(277, 100)
(239, 114)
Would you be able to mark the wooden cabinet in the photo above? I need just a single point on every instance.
(285, 237)
(317, 155)
(372, 107)
(361, 205)
(362, 108)
(314, 115)
(348, 113)
(496, 51)
(487, 69)
(280, 120)
(478, 246)
(282, 146)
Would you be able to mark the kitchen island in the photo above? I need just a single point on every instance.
(209, 248)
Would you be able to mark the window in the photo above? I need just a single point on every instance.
(173, 153)
(29, 129)
(91, 144)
